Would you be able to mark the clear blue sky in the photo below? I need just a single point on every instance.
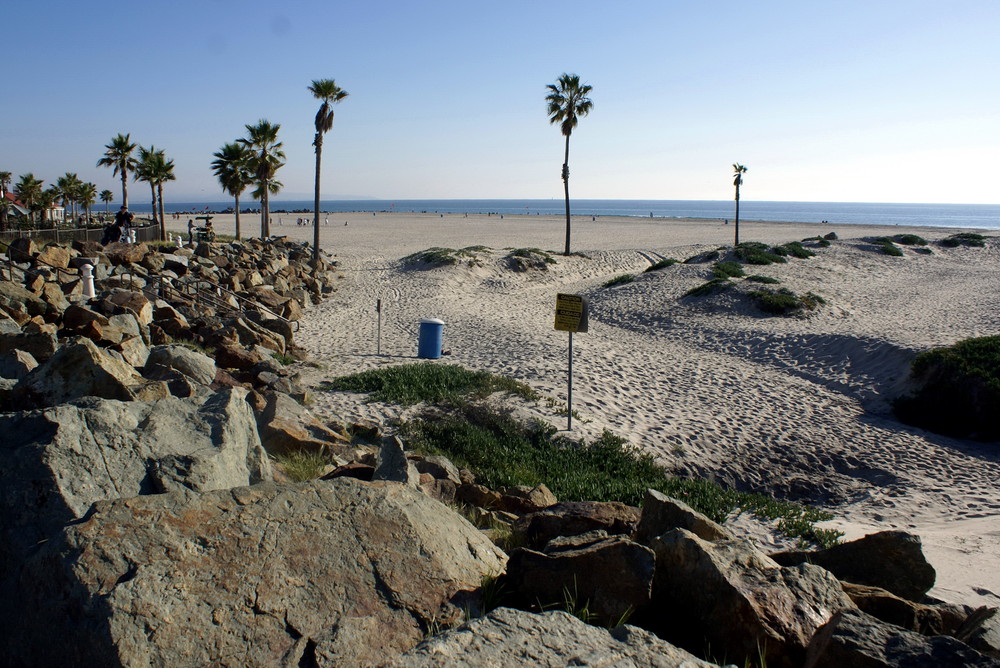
(871, 101)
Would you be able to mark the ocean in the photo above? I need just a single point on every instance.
(984, 216)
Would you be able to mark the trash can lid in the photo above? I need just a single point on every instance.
(431, 321)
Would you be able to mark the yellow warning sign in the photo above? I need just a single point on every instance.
(571, 313)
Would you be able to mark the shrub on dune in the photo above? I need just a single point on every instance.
(958, 390)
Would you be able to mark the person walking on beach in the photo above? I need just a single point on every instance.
(190, 231)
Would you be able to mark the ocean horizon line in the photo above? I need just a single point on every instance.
(974, 216)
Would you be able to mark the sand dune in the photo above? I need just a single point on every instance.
(794, 406)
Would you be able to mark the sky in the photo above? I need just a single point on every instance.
(852, 101)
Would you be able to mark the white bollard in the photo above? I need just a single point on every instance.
(131, 236)
(87, 271)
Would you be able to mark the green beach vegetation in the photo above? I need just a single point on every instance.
(662, 264)
(619, 280)
(958, 390)
(503, 451)
(438, 256)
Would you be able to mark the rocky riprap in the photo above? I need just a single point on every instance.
(142, 523)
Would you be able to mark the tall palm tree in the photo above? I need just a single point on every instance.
(107, 197)
(145, 170)
(739, 170)
(262, 140)
(330, 93)
(46, 201)
(232, 167)
(29, 190)
(568, 101)
(119, 157)
(87, 194)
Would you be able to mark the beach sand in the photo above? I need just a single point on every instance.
(794, 406)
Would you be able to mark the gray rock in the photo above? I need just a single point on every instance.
(661, 513)
(439, 467)
(507, 638)
(195, 365)
(610, 577)
(738, 601)
(81, 369)
(892, 560)
(287, 426)
(853, 638)
(575, 517)
(16, 364)
(57, 462)
(393, 464)
(329, 573)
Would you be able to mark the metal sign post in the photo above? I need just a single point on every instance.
(571, 316)
(378, 308)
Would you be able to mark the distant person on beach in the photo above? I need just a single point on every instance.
(190, 231)
(209, 231)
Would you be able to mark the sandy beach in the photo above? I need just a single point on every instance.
(793, 406)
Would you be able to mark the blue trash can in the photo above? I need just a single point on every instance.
(431, 333)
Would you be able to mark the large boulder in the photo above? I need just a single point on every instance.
(286, 426)
(892, 560)
(197, 366)
(508, 638)
(328, 573)
(730, 598)
(81, 369)
(661, 513)
(608, 576)
(57, 462)
(853, 638)
(575, 517)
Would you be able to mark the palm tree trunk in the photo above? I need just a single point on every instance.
(237, 217)
(565, 176)
(265, 212)
(124, 188)
(319, 156)
(163, 221)
(737, 221)
(152, 189)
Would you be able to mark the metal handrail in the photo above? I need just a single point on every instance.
(213, 296)
(11, 263)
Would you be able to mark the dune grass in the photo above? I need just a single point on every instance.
(964, 239)
(754, 252)
(959, 390)
(619, 280)
(438, 256)
(714, 286)
(504, 451)
(727, 269)
(410, 384)
(785, 302)
(887, 247)
(662, 264)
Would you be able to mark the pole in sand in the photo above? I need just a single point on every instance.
(571, 316)
(378, 308)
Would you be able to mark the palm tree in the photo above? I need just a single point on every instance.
(46, 201)
(739, 170)
(145, 170)
(568, 101)
(119, 157)
(232, 167)
(262, 140)
(29, 190)
(87, 194)
(107, 197)
(68, 187)
(330, 93)
(155, 169)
